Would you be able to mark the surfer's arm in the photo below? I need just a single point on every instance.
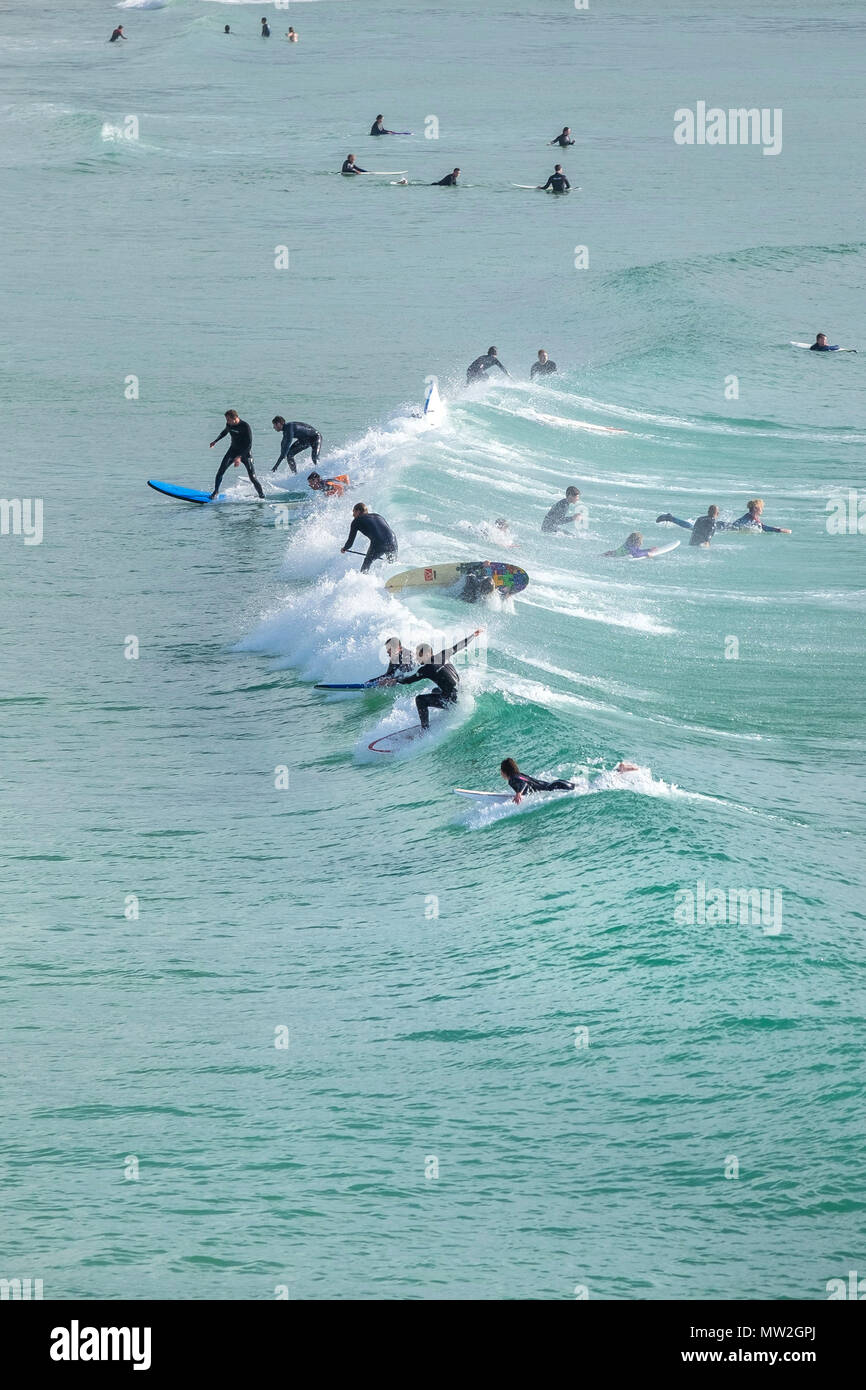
(496, 363)
(448, 652)
(353, 531)
(410, 680)
(220, 436)
(779, 530)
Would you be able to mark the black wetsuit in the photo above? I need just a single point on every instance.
(523, 783)
(477, 370)
(241, 447)
(116, 35)
(349, 168)
(542, 368)
(383, 542)
(558, 182)
(476, 587)
(703, 530)
(266, 30)
(822, 347)
(296, 438)
(449, 181)
(447, 681)
(559, 516)
(376, 129)
(563, 140)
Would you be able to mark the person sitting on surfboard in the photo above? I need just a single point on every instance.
(377, 127)
(239, 451)
(561, 514)
(297, 438)
(383, 542)
(563, 139)
(702, 530)
(331, 487)
(543, 367)
(557, 181)
(477, 370)
(449, 181)
(632, 545)
(350, 167)
(521, 783)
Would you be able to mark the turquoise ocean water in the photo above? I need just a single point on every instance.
(434, 964)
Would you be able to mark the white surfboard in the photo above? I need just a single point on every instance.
(832, 349)
(490, 798)
(432, 400)
(392, 743)
(660, 550)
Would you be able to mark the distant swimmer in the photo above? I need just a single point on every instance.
(297, 437)
(562, 515)
(383, 542)
(633, 546)
(266, 28)
(702, 530)
(350, 167)
(439, 670)
(239, 451)
(544, 366)
(331, 487)
(477, 370)
(117, 34)
(227, 30)
(291, 35)
(377, 127)
(449, 181)
(557, 182)
(522, 784)
(563, 139)
(753, 520)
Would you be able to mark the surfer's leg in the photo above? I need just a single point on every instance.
(225, 461)
(374, 553)
(317, 444)
(247, 461)
(667, 516)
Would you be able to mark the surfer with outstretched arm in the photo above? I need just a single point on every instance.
(477, 370)
(562, 515)
(543, 367)
(633, 546)
(557, 181)
(117, 34)
(350, 167)
(753, 520)
(563, 139)
(401, 661)
(239, 451)
(297, 437)
(377, 128)
(439, 670)
(383, 542)
(449, 181)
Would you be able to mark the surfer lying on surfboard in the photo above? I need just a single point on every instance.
(632, 545)
(331, 487)
(522, 784)
(705, 526)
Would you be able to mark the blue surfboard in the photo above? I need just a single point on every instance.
(360, 685)
(191, 494)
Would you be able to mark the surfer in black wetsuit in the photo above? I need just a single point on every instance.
(266, 28)
(557, 181)
(562, 514)
(449, 181)
(439, 670)
(117, 34)
(476, 588)
(543, 367)
(377, 127)
(383, 542)
(296, 438)
(400, 662)
(350, 167)
(564, 139)
(477, 370)
(239, 451)
(521, 783)
(702, 530)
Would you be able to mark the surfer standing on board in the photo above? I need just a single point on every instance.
(239, 451)
(383, 542)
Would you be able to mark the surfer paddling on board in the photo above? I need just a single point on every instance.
(753, 520)
(557, 182)
(821, 345)
(449, 181)
(239, 451)
(543, 367)
(477, 370)
(331, 487)
(439, 670)
(562, 514)
(563, 139)
(350, 167)
(521, 783)
(297, 437)
(383, 542)
(633, 546)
